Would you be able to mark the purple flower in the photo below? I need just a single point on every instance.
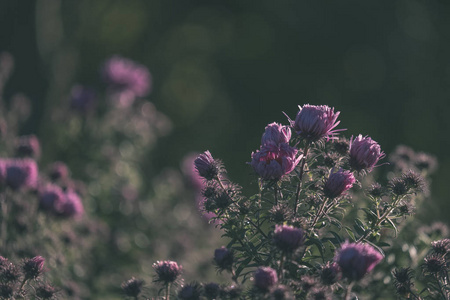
(124, 75)
(33, 267)
(315, 122)
(71, 207)
(330, 273)
(167, 271)
(276, 133)
(51, 197)
(18, 173)
(206, 166)
(265, 278)
(288, 238)
(357, 259)
(58, 171)
(28, 146)
(224, 258)
(82, 99)
(272, 161)
(338, 182)
(364, 153)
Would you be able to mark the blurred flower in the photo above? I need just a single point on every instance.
(6, 291)
(357, 259)
(288, 238)
(58, 171)
(330, 273)
(272, 161)
(211, 290)
(364, 153)
(425, 162)
(276, 133)
(51, 197)
(280, 292)
(125, 76)
(265, 278)
(338, 183)
(207, 167)
(82, 99)
(18, 173)
(435, 264)
(167, 271)
(191, 291)
(27, 146)
(45, 291)
(33, 267)
(132, 287)
(223, 257)
(71, 207)
(189, 170)
(9, 273)
(315, 122)
(441, 247)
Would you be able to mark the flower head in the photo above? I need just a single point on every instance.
(19, 173)
(274, 161)
(315, 122)
(276, 133)
(191, 291)
(357, 259)
(364, 153)
(330, 273)
(132, 287)
(28, 146)
(51, 197)
(167, 271)
(206, 165)
(45, 291)
(288, 238)
(33, 267)
(223, 257)
(338, 183)
(71, 207)
(265, 278)
(211, 290)
(58, 171)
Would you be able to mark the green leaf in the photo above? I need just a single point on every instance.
(350, 233)
(393, 226)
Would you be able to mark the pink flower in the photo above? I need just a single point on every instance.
(338, 183)
(364, 153)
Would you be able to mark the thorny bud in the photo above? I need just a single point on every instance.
(211, 290)
(33, 267)
(435, 264)
(192, 291)
(441, 247)
(223, 257)
(402, 281)
(330, 273)
(132, 287)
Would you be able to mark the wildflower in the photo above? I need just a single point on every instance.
(357, 259)
(276, 133)
(265, 278)
(280, 292)
(315, 122)
(82, 99)
(425, 162)
(45, 291)
(19, 173)
(288, 238)
(223, 257)
(341, 146)
(222, 200)
(376, 190)
(330, 273)
(71, 207)
(126, 76)
(167, 271)
(58, 171)
(9, 273)
(402, 281)
(273, 162)
(441, 247)
(211, 290)
(409, 182)
(364, 153)
(28, 146)
(191, 291)
(232, 292)
(207, 166)
(338, 183)
(132, 287)
(33, 267)
(51, 197)
(280, 213)
(307, 283)
(435, 264)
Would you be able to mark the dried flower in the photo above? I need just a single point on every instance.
(265, 278)
(402, 281)
(276, 134)
(315, 122)
(223, 257)
(27, 146)
(207, 166)
(167, 271)
(357, 259)
(364, 153)
(272, 161)
(288, 238)
(132, 287)
(338, 183)
(33, 267)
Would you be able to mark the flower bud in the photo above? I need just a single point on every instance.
(276, 133)
(211, 290)
(58, 171)
(288, 238)
(132, 287)
(223, 257)
(364, 153)
(33, 267)
(265, 278)
(45, 291)
(357, 259)
(206, 166)
(330, 273)
(441, 247)
(167, 271)
(338, 183)
(28, 146)
(19, 173)
(192, 291)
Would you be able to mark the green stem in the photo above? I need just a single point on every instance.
(319, 214)
(300, 177)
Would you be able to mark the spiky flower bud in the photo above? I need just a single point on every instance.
(33, 267)
(211, 290)
(364, 153)
(342, 146)
(280, 213)
(435, 264)
(357, 259)
(132, 287)
(330, 273)
(167, 271)
(9, 273)
(441, 247)
(288, 238)
(207, 166)
(338, 183)
(58, 171)
(376, 190)
(280, 292)
(403, 281)
(224, 258)
(192, 291)
(45, 291)
(265, 278)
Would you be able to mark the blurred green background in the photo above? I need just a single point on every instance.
(223, 70)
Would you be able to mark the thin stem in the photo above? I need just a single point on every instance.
(275, 194)
(300, 177)
(21, 286)
(348, 291)
(280, 271)
(234, 277)
(167, 291)
(319, 214)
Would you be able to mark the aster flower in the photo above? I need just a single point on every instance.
(27, 146)
(18, 173)
(33, 267)
(364, 153)
(265, 278)
(276, 133)
(330, 273)
(132, 287)
(435, 264)
(71, 206)
(223, 257)
(167, 271)
(338, 183)
(274, 161)
(51, 197)
(288, 238)
(192, 291)
(315, 122)
(58, 171)
(357, 259)
(207, 167)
